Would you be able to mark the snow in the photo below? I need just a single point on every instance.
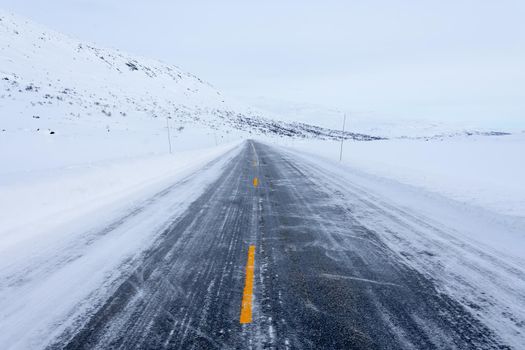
(480, 171)
(67, 234)
(473, 254)
(66, 102)
(63, 101)
(369, 122)
(87, 184)
(30, 198)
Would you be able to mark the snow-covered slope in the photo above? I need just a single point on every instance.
(43, 68)
(60, 94)
(64, 102)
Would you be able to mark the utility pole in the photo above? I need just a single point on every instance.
(168, 127)
(342, 139)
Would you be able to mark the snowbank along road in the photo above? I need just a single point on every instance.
(266, 259)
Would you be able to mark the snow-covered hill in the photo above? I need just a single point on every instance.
(59, 93)
(45, 71)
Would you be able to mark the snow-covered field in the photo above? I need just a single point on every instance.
(67, 235)
(466, 198)
(473, 254)
(483, 171)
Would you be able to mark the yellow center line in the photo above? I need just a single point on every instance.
(246, 307)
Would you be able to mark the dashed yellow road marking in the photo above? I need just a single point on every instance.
(246, 307)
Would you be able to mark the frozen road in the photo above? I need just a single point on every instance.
(321, 279)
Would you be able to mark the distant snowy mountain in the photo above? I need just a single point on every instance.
(362, 122)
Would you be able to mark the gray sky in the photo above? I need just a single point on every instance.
(450, 60)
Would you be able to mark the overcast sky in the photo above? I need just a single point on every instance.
(443, 60)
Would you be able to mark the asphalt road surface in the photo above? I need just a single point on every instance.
(320, 280)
